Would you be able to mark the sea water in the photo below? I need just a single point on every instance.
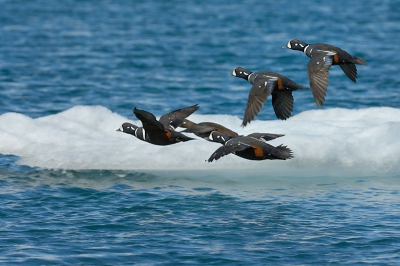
(74, 191)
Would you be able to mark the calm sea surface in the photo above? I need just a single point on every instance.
(162, 55)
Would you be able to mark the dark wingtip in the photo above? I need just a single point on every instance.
(245, 123)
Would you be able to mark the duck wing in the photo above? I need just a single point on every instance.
(228, 149)
(176, 117)
(350, 70)
(149, 121)
(259, 92)
(282, 102)
(265, 136)
(318, 73)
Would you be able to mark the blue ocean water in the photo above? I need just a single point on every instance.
(75, 192)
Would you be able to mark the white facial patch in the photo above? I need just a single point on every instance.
(289, 45)
(121, 129)
(234, 72)
(210, 137)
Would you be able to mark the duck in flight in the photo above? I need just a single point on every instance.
(162, 131)
(322, 57)
(267, 83)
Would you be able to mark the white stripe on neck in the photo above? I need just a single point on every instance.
(305, 49)
(248, 77)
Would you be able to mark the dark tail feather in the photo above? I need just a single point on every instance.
(358, 60)
(283, 152)
(180, 137)
(184, 138)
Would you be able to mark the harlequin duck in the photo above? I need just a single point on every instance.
(204, 129)
(160, 132)
(266, 83)
(323, 56)
(251, 147)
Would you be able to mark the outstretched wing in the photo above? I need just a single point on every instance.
(149, 121)
(350, 70)
(318, 73)
(199, 128)
(175, 118)
(265, 136)
(282, 102)
(259, 92)
(227, 149)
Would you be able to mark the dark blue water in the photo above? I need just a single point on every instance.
(162, 55)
